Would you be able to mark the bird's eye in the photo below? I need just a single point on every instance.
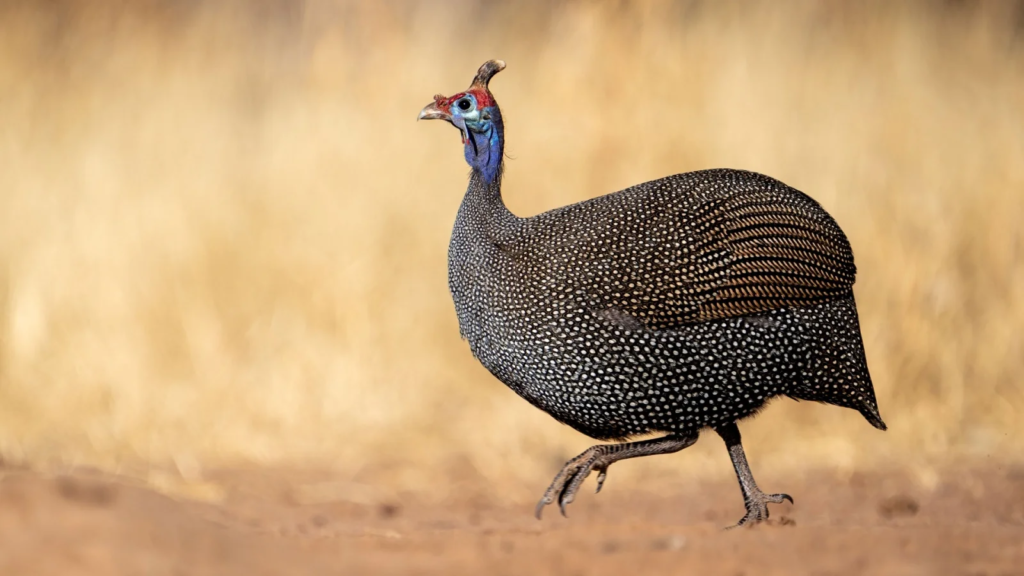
(465, 104)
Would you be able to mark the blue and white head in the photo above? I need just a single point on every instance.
(476, 115)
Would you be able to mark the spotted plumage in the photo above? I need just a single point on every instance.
(676, 305)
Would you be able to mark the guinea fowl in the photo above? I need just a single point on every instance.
(675, 305)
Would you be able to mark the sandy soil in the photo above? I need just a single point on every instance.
(273, 522)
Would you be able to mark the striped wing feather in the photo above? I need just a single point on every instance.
(780, 255)
(726, 256)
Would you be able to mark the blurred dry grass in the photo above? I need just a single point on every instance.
(223, 236)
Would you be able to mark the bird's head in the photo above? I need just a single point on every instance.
(475, 113)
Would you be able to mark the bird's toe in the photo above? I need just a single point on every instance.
(602, 474)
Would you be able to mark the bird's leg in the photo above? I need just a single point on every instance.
(754, 499)
(599, 458)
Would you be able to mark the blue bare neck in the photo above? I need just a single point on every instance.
(485, 143)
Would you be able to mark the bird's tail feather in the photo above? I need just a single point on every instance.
(870, 413)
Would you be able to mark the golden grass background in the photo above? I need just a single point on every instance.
(223, 235)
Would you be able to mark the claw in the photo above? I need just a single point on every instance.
(540, 506)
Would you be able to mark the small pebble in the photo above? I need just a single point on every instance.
(670, 543)
(898, 506)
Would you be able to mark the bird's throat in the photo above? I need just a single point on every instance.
(484, 150)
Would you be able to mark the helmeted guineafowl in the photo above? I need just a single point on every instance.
(672, 306)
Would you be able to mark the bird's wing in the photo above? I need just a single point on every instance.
(677, 258)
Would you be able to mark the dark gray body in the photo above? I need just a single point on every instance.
(679, 304)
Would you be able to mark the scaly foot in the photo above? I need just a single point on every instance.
(757, 507)
(599, 458)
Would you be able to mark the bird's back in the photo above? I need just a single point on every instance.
(689, 248)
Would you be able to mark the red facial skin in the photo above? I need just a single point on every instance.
(483, 99)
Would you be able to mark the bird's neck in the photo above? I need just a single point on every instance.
(483, 214)
(483, 210)
(484, 151)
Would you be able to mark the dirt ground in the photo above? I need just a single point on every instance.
(271, 522)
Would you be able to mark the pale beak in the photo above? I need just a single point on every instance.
(432, 112)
